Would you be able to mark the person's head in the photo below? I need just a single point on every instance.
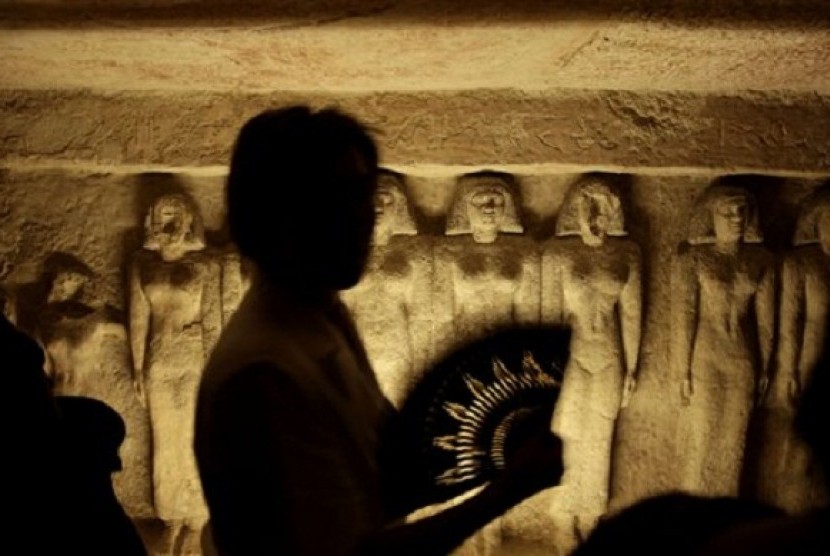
(592, 210)
(484, 207)
(725, 214)
(300, 196)
(392, 215)
(173, 226)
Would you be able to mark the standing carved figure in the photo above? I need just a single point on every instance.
(87, 354)
(592, 282)
(175, 319)
(487, 278)
(723, 317)
(789, 477)
(391, 303)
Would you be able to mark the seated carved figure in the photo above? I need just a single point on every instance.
(593, 283)
(487, 276)
(175, 319)
(722, 316)
(391, 303)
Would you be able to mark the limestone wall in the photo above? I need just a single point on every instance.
(98, 216)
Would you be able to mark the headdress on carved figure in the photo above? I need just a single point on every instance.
(458, 220)
(702, 223)
(403, 223)
(811, 211)
(193, 237)
(598, 187)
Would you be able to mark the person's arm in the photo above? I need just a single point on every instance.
(631, 303)
(789, 330)
(535, 466)
(765, 316)
(552, 302)
(139, 326)
(684, 315)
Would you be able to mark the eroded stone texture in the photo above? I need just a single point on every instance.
(175, 319)
(723, 319)
(592, 282)
(762, 131)
(88, 354)
(392, 303)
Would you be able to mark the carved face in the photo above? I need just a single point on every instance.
(823, 229)
(66, 286)
(729, 218)
(171, 221)
(384, 206)
(485, 209)
(595, 215)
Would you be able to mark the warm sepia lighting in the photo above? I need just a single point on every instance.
(655, 180)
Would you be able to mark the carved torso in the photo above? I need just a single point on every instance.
(727, 286)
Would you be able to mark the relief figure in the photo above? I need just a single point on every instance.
(487, 274)
(591, 280)
(175, 319)
(87, 354)
(391, 303)
(790, 477)
(722, 332)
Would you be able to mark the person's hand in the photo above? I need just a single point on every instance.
(140, 393)
(629, 385)
(686, 391)
(763, 388)
(535, 465)
(793, 391)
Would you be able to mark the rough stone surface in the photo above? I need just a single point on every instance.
(775, 132)
(375, 45)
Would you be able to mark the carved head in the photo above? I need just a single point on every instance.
(173, 224)
(725, 214)
(392, 213)
(591, 210)
(68, 278)
(484, 206)
(814, 221)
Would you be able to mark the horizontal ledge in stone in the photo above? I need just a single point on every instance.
(783, 132)
(46, 165)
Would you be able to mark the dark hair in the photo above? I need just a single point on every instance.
(281, 158)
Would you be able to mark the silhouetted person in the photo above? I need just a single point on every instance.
(679, 524)
(93, 433)
(290, 415)
(31, 444)
(59, 454)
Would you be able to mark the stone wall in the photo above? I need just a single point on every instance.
(97, 217)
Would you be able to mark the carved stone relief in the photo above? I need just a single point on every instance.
(487, 274)
(788, 477)
(723, 315)
(175, 318)
(714, 315)
(591, 280)
(87, 354)
(391, 304)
